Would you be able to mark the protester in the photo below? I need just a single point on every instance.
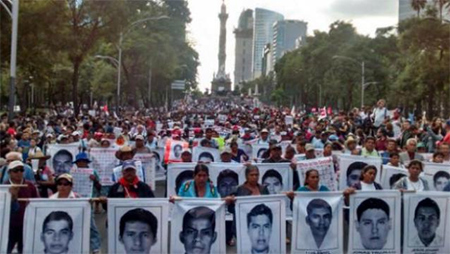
(413, 182)
(201, 186)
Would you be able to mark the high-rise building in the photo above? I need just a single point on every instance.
(285, 35)
(243, 50)
(262, 34)
(405, 10)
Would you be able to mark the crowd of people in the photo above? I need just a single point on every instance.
(224, 125)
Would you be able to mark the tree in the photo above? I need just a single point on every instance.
(418, 5)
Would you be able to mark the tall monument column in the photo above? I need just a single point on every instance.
(223, 16)
(221, 83)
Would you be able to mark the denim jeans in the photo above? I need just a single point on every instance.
(95, 240)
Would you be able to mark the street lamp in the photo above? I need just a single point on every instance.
(119, 47)
(14, 14)
(362, 74)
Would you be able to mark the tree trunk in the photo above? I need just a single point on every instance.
(75, 76)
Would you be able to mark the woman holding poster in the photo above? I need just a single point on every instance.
(201, 186)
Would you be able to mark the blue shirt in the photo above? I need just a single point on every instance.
(321, 188)
(188, 190)
(28, 174)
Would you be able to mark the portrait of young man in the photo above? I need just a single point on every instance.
(259, 228)
(198, 230)
(273, 180)
(227, 182)
(373, 223)
(354, 172)
(62, 162)
(57, 232)
(319, 217)
(427, 217)
(138, 231)
(177, 149)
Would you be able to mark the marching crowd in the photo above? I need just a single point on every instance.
(224, 125)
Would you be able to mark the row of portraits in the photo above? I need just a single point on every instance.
(198, 225)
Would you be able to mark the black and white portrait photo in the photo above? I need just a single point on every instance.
(141, 229)
(205, 154)
(260, 224)
(426, 222)
(57, 226)
(176, 151)
(198, 226)
(158, 155)
(375, 221)
(5, 207)
(437, 175)
(351, 167)
(226, 176)
(440, 180)
(177, 174)
(317, 222)
(62, 157)
(258, 150)
(391, 175)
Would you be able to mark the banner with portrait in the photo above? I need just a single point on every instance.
(318, 223)
(104, 161)
(324, 166)
(437, 175)
(375, 225)
(391, 175)
(226, 176)
(426, 224)
(198, 226)
(177, 174)
(57, 226)
(160, 171)
(140, 173)
(258, 150)
(82, 184)
(130, 221)
(205, 154)
(5, 208)
(148, 164)
(261, 224)
(173, 150)
(62, 157)
(278, 177)
(351, 167)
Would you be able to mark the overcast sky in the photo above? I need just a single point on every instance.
(366, 16)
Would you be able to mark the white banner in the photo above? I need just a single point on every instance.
(198, 226)
(375, 225)
(148, 163)
(426, 224)
(258, 150)
(5, 208)
(261, 224)
(226, 176)
(82, 184)
(205, 154)
(325, 167)
(160, 172)
(62, 157)
(57, 226)
(318, 223)
(128, 220)
(351, 166)
(391, 175)
(177, 174)
(437, 175)
(104, 161)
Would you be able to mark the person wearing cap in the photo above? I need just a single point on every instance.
(43, 174)
(275, 155)
(105, 143)
(421, 148)
(63, 139)
(369, 147)
(15, 171)
(16, 156)
(33, 147)
(186, 156)
(310, 152)
(24, 144)
(350, 145)
(95, 140)
(129, 185)
(64, 186)
(225, 156)
(139, 145)
(264, 137)
(82, 161)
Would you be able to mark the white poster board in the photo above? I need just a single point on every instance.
(205, 154)
(324, 166)
(62, 157)
(177, 174)
(351, 166)
(82, 185)
(5, 208)
(104, 161)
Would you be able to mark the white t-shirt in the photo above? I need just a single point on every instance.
(414, 186)
(367, 187)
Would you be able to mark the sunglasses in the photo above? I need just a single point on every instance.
(15, 170)
(64, 184)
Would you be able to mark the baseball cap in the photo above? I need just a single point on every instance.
(264, 131)
(226, 150)
(65, 176)
(15, 164)
(309, 147)
(129, 164)
(186, 151)
(139, 137)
